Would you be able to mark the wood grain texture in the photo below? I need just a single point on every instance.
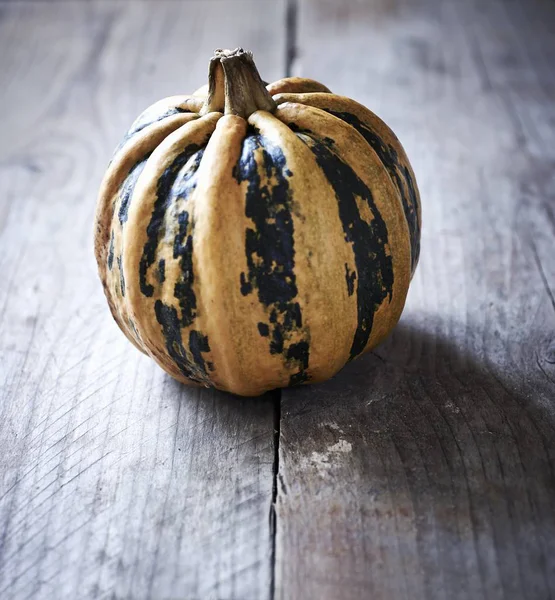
(426, 469)
(116, 482)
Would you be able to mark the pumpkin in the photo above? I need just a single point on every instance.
(253, 236)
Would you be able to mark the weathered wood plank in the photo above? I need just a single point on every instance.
(115, 481)
(426, 469)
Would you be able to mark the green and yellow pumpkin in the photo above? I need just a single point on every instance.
(253, 236)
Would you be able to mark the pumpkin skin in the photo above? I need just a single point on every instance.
(253, 236)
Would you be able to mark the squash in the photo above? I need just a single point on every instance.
(253, 236)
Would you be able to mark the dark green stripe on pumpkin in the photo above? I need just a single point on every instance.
(374, 267)
(125, 195)
(127, 187)
(189, 360)
(270, 250)
(398, 172)
(121, 277)
(174, 188)
(111, 251)
(161, 270)
(177, 182)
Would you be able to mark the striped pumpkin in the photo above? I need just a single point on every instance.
(254, 236)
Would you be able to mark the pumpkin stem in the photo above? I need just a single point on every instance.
(235, 86)
(215, 101)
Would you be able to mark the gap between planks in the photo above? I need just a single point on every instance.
(291, 30)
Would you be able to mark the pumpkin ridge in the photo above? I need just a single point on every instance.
(177, 183)
(117, 189)
(133, 131)
(127, 187)
(374, 269)
(141, 146)
(227, 317)
(316, 125)
(318, 264)
(383, 141)
(156, 258)
(269, 247)
(167, 107)
(296, 85)
(180, 175)
(390, 159)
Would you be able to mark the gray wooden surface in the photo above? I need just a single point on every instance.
(425, 470)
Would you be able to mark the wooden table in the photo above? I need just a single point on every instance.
(424, 470)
